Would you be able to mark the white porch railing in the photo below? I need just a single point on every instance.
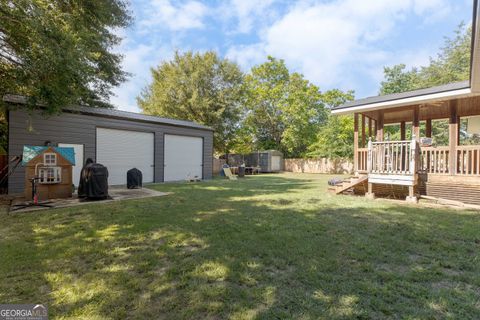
(435, 160)
(406, 158)
(468, 160)
(362, 160)
(392, 157)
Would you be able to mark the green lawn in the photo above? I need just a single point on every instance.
(266, 247)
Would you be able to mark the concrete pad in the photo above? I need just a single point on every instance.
(115, 193)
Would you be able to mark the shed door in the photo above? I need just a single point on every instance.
(122, 150)
(183, 157)
(276, 163)
(77, 168)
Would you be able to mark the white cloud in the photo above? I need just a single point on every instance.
(334, 43)
(151, 40)
(325, 41)
(433, 10)
(426, 6)
(137, 61)
(247, 55)
(175, 16)
(247, 13)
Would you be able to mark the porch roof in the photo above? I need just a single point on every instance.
(445, 92)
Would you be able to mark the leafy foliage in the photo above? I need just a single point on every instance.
(266, 92)
(303, 114)
(453, 61)
(335, 137)
(59, 52)
(397, 79)
(199, 87)
(283, 110)
(452, 64)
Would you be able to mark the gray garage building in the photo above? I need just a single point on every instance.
(163, 149)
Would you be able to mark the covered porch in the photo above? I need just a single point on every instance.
(421, 149)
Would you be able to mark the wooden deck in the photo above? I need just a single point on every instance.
(449, 171)
(426, 171)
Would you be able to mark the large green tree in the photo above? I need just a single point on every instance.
(60, 52)
(265, 97)
(335, 138)
(283, 110)
(199, 87)
(452, 64)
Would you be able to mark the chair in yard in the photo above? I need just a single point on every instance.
(228, 173)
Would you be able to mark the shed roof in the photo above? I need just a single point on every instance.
(115, 113)
(30, 152)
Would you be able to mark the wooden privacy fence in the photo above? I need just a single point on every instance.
(217, 165)
(322, 165)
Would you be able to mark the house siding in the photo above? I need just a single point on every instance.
(35, 129)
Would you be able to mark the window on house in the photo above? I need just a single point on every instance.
(50, 175)
(469, 131)
(50, 159)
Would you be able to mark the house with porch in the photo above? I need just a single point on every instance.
(413, 163)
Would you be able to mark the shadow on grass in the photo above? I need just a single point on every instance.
(270, 247)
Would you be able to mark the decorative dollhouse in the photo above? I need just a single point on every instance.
(51, 167)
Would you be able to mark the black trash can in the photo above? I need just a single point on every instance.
(134, 179)
(241, 171)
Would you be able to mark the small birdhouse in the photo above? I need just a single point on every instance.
(52, 168)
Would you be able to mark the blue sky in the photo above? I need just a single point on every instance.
(336, 44)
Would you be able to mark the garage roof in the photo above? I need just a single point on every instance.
(115, 113)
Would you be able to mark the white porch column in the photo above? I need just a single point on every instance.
(413, 169)
(370, 193)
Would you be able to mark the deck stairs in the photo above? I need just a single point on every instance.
(348, 184)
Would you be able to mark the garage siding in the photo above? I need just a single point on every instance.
(26, 129)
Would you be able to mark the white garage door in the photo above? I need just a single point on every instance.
(122, 150)
(183, 157)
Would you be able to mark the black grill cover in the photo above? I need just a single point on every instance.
(134, 178)
(93, 182)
